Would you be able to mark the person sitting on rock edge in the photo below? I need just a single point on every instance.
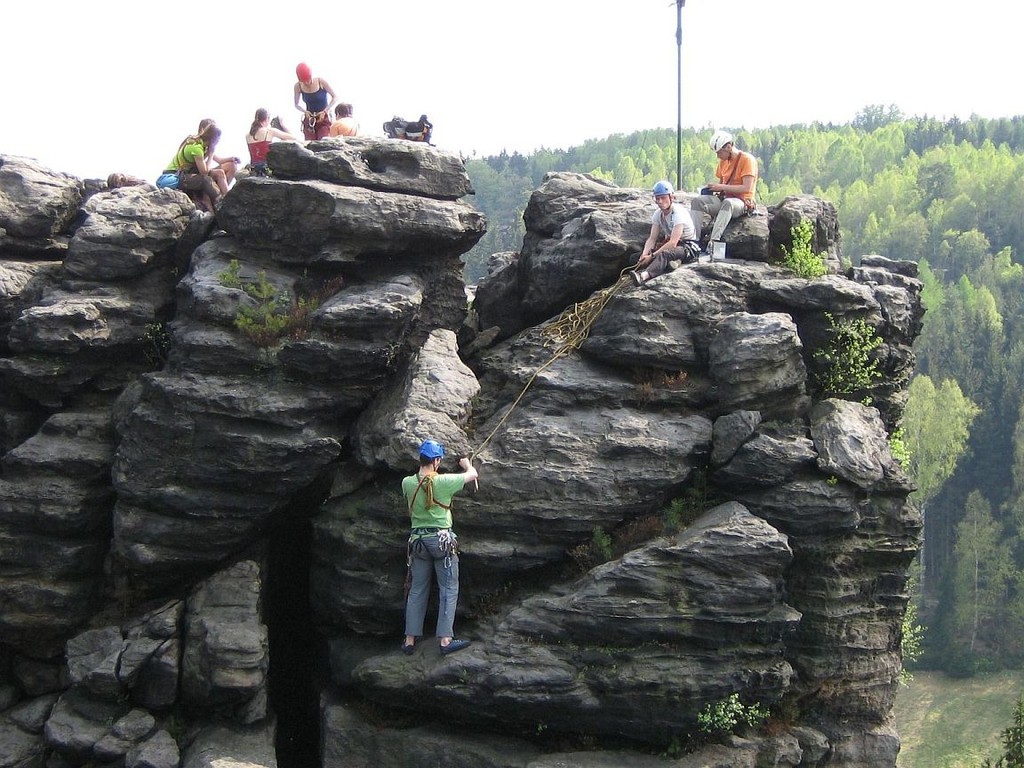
(259, 138)
(189, 172)
(733, 194)
(673, 237)
(227, 165)
(433, 546)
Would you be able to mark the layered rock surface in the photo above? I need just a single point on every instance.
(206, 418)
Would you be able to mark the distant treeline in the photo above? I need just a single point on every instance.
(950, 196)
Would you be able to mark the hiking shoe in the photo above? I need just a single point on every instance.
(453, 646)
(408, 648)
(637, 279)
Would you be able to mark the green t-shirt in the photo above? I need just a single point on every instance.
(185, 158)
(436, 516)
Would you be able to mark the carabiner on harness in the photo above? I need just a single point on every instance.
(448, 543)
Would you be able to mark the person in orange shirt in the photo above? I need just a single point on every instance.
(733, 194)
(344, 124)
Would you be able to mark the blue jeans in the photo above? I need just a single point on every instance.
(427, 556)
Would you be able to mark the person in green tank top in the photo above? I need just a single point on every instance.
(433, 546)
(189, 172)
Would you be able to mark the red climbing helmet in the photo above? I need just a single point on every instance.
(303, 72)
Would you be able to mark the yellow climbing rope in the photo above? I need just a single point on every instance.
(567, 332)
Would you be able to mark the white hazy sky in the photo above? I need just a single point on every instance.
(112, 85)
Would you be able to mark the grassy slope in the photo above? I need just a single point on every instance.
(948, 723)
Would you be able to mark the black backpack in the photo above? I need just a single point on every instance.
(416, 130)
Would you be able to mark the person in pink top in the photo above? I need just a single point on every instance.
(259, 138)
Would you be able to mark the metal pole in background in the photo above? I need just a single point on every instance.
(679, 92)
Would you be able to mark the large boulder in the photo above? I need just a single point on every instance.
(55, 504)
(703, 611)
(433, 399)
(206, 418)
(317, 221)
(126, 231)
(204, 464)
(225, 660)
(36, 204)
(394, 166)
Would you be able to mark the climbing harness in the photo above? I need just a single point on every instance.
(315, 118)
(447, 541)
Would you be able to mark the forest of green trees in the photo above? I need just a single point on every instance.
(948, 195)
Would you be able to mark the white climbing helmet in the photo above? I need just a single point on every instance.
(720, 139)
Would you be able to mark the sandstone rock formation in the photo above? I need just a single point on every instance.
(205, 418)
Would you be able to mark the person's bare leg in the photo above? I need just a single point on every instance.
(230, 170)
(220, 180)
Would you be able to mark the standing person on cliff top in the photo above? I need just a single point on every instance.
(433, 546)
(316, 97)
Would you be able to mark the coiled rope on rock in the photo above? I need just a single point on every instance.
(566, 333)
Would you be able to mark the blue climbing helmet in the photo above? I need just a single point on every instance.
(663, 188)
(432, 449)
